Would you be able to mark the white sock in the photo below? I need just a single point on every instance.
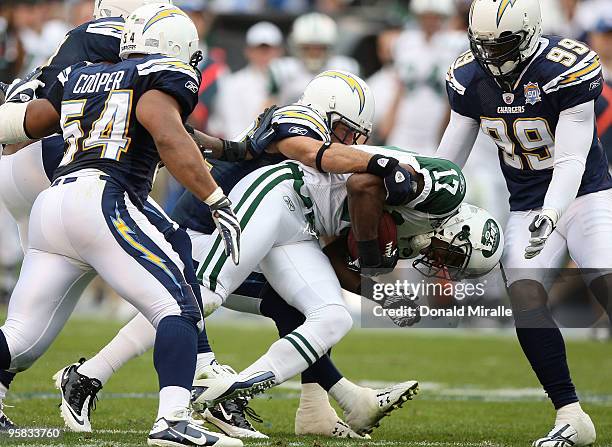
(173, 400)
(204, 360)
(282, 359)
(568, 413)
(345, 393)
(3, 391)
(134, 339)
(313, 397)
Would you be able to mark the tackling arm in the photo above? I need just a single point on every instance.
(21, 122)
(458, 139)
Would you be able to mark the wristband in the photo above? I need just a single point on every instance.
(381, 166)
(234, 150)
(216, 195)
(369, 253)
(319, 160)
(12, 117)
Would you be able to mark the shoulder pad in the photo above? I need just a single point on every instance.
(585, 68)
(112, 27)
(168, 64)
(304, 116)
(461, 72)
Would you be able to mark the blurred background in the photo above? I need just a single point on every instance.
(260, 52)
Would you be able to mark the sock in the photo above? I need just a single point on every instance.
(345, 393)
(6, 378)
(568, 413)
(3, 391)
(5, 354)
(545, 350)
(133, 340)
(313, 397)
(282, 359)
(204, 360)
(203, 344)
(174, 356)
(173, 401)
(323, 372)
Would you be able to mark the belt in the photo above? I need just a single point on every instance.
(66, 180)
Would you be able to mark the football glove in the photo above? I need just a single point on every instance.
(399, 186)
(541, 228)
(22, 90)
(264, 133)
(371, 261)
(404, 302)
(229, 227)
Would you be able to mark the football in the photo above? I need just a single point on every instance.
(387, 237)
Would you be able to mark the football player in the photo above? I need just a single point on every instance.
(534, 96)
(312, 41)
(119, 121)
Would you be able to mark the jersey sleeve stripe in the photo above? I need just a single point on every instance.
(586, 69)
(112, 29)
(167, 65)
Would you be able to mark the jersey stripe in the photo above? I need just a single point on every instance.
(158, 65)
(586, 69)
(112, 29)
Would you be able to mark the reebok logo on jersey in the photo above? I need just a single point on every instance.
(298, 130)
(289, 203)
(595, 84)
(191, 86)
(399, 177)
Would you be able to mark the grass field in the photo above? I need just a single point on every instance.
(476, 390)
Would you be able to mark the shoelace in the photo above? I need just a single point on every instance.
(239, 409)
(84, 388)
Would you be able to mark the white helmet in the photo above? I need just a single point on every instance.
(159, 29)
(440, 7)
(468, 244)
(120, 8)
(313, 29)
(504, 33)
(341, 96)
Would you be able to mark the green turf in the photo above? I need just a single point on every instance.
(469, 394)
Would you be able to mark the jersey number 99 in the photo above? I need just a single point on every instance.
(534, 137)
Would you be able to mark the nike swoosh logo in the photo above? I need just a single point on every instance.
(78, 419)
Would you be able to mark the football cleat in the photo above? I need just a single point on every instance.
(209, 392)
(231, 418)
(5, 422)
(183, 432)
(323, 422)
(578, 434)
(79, 396)
(376, 404)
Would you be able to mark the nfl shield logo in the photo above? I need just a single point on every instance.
(532, 93)
(508, 98)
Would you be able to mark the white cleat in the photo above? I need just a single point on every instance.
(323, 422)
(581, 432)
(209, 392)
(181, 431)
(376, 404)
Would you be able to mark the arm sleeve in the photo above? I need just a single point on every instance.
(458, 139)
(573, 139)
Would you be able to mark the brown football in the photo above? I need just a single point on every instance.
(387, 237)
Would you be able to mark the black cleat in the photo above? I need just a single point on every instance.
(79, 395)
(5, 423)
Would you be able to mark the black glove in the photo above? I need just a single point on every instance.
(264, 133)
(229, 227)
(399, 187)
(373, 261)
(401, 301)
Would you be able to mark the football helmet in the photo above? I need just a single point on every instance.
(504, 33)
(343, 97)
(468, 244)
(160, 29)
(312, 39)
(120, 8)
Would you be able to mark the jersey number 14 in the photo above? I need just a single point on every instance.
(108, 132)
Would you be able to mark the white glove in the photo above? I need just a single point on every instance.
(541, 228)
(22, 91)
(229, 227)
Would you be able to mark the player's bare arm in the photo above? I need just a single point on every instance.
(159, 114)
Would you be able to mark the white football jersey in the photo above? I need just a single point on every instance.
(289, 76)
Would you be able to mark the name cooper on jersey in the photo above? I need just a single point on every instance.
(99, 82)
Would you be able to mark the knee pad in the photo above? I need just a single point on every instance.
(329, 324)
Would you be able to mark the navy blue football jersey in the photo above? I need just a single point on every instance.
(562, 74)
(290, 121)
(97, 104)
(95, 41)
